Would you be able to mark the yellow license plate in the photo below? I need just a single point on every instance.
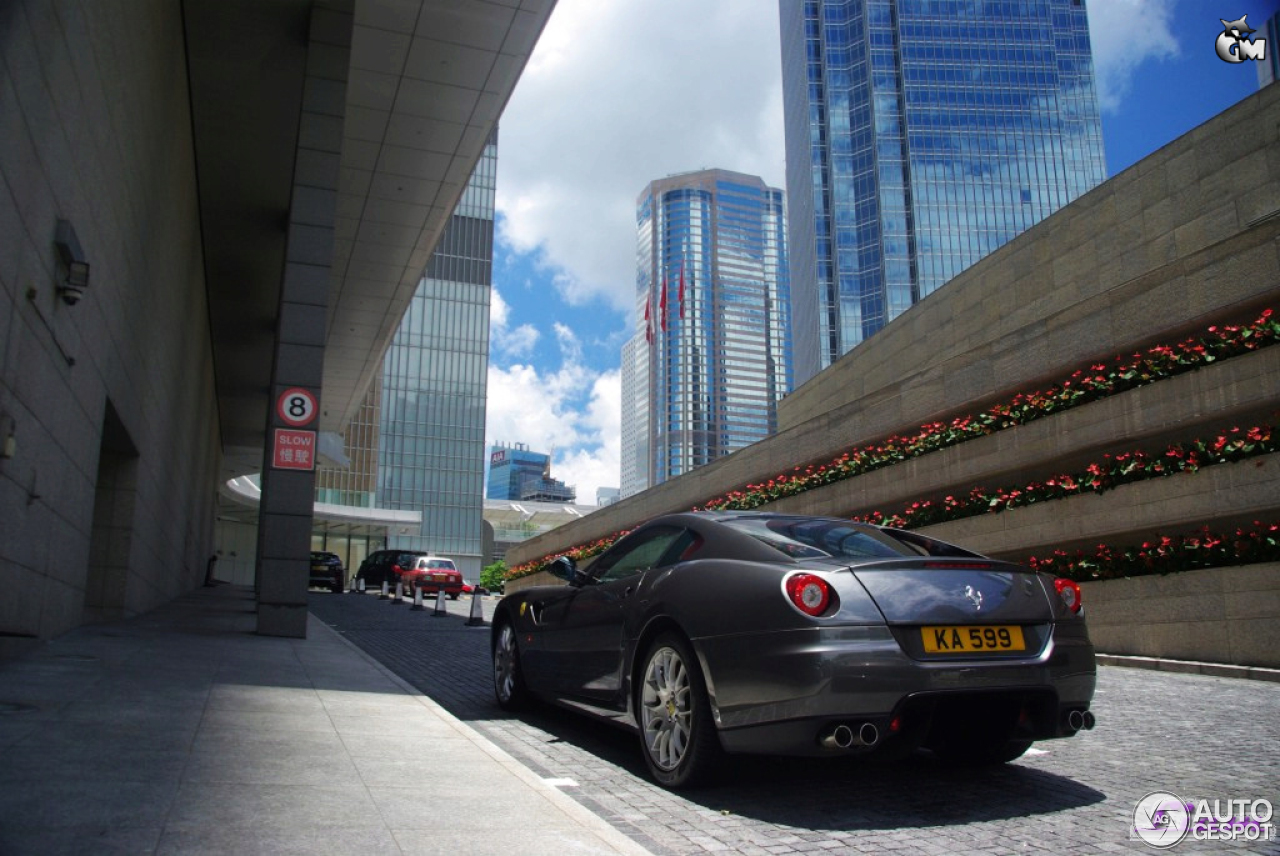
(439, 578)
(972, 640)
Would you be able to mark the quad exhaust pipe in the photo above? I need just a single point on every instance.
(845, 737)
(1078, 719)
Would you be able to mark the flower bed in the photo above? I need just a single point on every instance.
(1236, 445)
(1098, 381)
(1166, 554)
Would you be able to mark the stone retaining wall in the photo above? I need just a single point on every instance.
(1216, 615)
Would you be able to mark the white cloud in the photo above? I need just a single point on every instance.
(617, 95)
(572, 411)
(599, 463)
(504, 341)
(1124, 34)
(499, 311)
(520, 341)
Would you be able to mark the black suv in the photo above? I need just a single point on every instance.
(378, 565)
(327, 571)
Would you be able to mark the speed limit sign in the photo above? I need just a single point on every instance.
(296, 407)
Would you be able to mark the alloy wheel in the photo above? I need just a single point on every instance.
(505, 658)
(666, 708)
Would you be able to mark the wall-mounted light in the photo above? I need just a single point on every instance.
(72, 255)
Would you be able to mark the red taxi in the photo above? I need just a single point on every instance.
(431, 573)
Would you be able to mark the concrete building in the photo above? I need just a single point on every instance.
(214, 217)
(712, 347)
(921, 137)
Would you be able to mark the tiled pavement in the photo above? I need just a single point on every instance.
(184, 732)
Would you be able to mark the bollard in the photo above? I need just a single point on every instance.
(417, 598)
(477, 611)
(360, 585)
(439, 610)
(399, 598)
(384, 595)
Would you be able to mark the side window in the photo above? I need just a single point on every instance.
(640, 554)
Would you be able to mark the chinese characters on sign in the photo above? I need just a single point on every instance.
(294, 450)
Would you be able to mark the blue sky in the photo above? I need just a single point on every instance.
(621, 92)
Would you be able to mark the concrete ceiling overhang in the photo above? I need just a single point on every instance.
(427, 81)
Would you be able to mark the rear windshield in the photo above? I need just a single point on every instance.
(804, 538)
(441, 563)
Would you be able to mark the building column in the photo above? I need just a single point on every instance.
(288, 485)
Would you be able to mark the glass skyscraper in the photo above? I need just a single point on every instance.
(921, 135)
(417, 442)
(434, 384)
(712, 353)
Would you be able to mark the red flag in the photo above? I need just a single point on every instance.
(648, 325)
(662, 306)
(680, 296)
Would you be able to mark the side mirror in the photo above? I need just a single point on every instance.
(565, 568)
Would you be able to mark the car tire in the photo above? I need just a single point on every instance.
(677, 736)
(508, 677)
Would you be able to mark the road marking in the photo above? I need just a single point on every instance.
(561, 783)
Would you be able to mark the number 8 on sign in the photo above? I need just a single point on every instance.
(296, 406)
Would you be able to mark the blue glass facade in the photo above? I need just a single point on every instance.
(434, 384)
(921, 135)
(515, 473)
(713, 347)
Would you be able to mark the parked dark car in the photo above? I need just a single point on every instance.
(327, 570)
(744, 632)
(380, 566)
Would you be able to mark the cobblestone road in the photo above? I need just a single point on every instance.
(1194, 736)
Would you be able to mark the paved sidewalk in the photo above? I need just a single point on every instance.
(182, 731)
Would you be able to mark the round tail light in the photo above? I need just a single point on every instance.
(808, 593)
(1069, 591)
